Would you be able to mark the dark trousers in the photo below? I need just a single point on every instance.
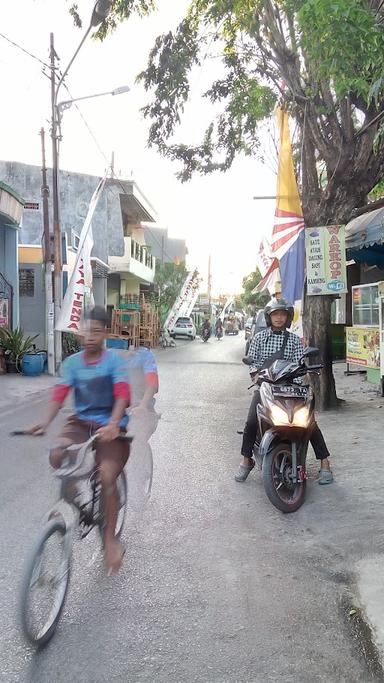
(251, 427)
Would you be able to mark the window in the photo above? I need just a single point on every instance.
(365, 305)
(75, 239)
(26, 282)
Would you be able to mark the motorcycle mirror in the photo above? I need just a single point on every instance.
(247, 360)
(310, 351)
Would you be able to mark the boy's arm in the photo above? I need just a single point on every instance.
(151, 380)
(122, 395)
(59, 394)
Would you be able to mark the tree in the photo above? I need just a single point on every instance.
(253, 300)
(169, 278)
(322, 60)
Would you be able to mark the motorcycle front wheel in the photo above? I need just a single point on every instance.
(277, 479)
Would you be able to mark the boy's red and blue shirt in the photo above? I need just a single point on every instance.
(96, 385)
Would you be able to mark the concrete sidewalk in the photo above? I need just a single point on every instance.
(15, 389)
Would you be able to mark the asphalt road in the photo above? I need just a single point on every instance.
(217, 585)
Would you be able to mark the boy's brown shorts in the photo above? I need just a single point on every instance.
(79, 431)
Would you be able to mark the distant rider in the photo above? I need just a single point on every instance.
(219, 328)
(207, 328)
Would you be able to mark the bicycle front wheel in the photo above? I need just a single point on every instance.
(45, 583)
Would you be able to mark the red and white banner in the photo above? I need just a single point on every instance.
(80, 284)
(268, 266)
(183, 306)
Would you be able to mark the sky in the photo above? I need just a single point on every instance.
(216, 214)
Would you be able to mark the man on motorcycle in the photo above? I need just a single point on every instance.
(267, 346)
(207, 329)
(219, 328)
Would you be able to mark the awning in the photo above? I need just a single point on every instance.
(134, 204)
(364, 238)
(11, 206)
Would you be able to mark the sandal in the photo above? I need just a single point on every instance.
(325, 476)
(243, 471)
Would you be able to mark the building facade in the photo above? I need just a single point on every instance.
(120, 261)
(11, 208)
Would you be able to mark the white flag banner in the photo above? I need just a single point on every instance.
(182, 308)
(226, 308)
(79, 290)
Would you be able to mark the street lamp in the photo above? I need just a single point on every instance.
(100, 12)
(67, 104)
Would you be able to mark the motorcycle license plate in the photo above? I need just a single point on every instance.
(290, 391)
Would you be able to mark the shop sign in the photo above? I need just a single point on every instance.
(4, 314)
(363, 346)
(326, 261)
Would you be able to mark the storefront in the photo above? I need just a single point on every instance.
(11, 206)
(365, 333)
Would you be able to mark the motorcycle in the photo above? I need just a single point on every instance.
(219, 333)
(206, 333)
(285, 422)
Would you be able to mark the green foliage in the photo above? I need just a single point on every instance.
(71, 344)
(250, 300)
(120, 11)
(169, 278)
(344, 42)
(14, 343)
(322, 60)
(378, 191)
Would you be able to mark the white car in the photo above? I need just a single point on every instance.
(183, 327)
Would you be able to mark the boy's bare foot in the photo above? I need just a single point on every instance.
(113, 555)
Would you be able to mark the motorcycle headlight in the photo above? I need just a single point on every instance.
(279, 416)
(300, 418)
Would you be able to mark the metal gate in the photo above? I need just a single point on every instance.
(6, 302)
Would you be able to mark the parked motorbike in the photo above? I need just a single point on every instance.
(285, 422)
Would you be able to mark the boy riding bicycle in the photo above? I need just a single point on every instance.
(99, 379)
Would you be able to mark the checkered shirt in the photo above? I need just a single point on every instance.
(266, 343)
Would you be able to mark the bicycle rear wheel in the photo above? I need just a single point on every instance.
(45, 583)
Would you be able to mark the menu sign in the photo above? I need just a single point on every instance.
(326, 261)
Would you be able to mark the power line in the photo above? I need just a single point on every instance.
(12, 42)
(93, 136)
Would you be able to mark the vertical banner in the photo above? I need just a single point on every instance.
(326, 260)
(79, 290)
(183, 306)
(268, 266)
(226, 308)
(288, 229)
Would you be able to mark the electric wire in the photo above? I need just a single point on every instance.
(12, 42)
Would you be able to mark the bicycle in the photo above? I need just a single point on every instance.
(47, 568)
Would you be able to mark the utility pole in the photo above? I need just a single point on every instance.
(57, 264)
(209, 283)
(49, 309)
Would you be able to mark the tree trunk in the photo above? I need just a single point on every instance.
(317, 332)
(317, 309)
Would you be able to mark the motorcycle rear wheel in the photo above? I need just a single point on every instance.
(277, 479)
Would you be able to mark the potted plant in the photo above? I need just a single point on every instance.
(15, 345)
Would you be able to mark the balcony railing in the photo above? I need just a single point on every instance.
(140, 253)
